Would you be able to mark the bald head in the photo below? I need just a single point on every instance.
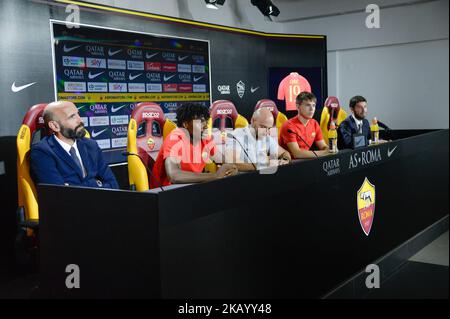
(63, 119)
(262, 117)
(55, 111)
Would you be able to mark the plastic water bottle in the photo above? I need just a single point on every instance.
(375, 131)
(332, 138)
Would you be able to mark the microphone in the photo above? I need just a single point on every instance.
(245, 151)
(388, 133)
(309, 146)
(148, 170)
(384, 126)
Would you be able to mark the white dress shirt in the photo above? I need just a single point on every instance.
(67, 147)
(359, 124)
(258, 150)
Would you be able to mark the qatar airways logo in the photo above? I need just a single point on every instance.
(119, 130)
(117, 75)
(169, 56)
(95, 50)
(99, 108)
(150, 115)
(135, 53)
(224, 89)
(331, 167)
(170, 105)
(185, 78)
(224, 112)
(154, 77)
(74, 74)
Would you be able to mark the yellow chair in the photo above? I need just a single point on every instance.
(26, 243)
(147, 129)
(331, 112)
(32, 125)
(279, 117)
(28, 211)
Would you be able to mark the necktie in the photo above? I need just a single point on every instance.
(359, 128)
(73, 153)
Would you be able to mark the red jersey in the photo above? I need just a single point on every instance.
(193, 158)
(310, 133)
(290, 87)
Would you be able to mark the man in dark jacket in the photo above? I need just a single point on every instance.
(67, 157)
(356, 123)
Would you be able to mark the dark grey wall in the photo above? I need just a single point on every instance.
(26, 55)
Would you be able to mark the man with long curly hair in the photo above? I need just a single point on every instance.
(187, 149)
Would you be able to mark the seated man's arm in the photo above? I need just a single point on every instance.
(177, 176)
(105, 175)
(345, 135)
(301, 153)
(233, 156)
(284, 156)
(245, 167)
(322, 146)
(43, 168)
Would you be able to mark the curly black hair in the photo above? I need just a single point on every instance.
(191, 111)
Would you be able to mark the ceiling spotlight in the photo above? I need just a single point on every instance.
(266, 7)
(213, 4)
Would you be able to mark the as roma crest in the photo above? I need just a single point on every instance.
(366, 205)
(151, 144)
(240, 87)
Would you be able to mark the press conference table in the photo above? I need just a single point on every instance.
(292, 234)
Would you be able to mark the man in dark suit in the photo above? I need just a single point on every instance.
(356, 123)
(66, 157)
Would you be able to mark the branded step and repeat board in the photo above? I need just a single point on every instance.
(107, 72)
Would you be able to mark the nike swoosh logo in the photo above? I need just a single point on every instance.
(167, 78)
(80, 107)
(199, 78)
(151, 55)
(132, 77)
(391, 151)
(115, 109)
(112, 53)
(16, 89)
(182, 58)
(95, 134)
(67, 50)
(253, 90)
(93, 76)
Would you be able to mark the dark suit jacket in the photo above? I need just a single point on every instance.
(346, 130)
(51, 164)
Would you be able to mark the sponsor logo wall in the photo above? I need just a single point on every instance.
(106, 78)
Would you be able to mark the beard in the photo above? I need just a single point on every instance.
(74, 134)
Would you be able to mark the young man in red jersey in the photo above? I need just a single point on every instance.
(300, 132)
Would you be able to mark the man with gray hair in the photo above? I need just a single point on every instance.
(255, 146)
(66, 157)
